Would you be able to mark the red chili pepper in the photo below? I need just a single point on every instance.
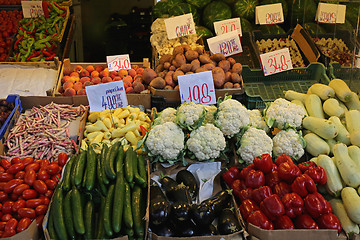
(247, 207)
(33, 55)
(48, 54)
(283, 158)
(317, 174)
(303, 185)
(316, 205)
(64, 14)
(246, 170)
(143, 130)
(50, 57)
(281, 189)
(329, 221)
(231, 175)
(58, 6)
(293, 203)
(283, 222)
(305, 222)
(260, 220)
(45, 9)
(272, 207)
(237, 186)
(272, 178)
(288, 172)
(255, 179)
(263, 163)
(245, 194)
(17, 42)
(261, 193)
(306, 166)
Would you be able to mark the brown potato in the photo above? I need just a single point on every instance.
(177, 50)
(201, 69)
(218, 77)
(204, 59)
(165, 58)
(195, 64)
(225, 65)
(186, 67)
(237, 68)
(189, 73)
(169, 79)
(232, 61)
(228, 85)
(172, 68)
(235, 78)
(167, 65)
(199, 50)
(159, 68)
(237, 85)
(186, 47)
(176, 87)
(208, 66)
(148, 75)
(158, 83)
(227, 76)
(138, 87)
(217, 57)
(191, 55)
(162, 74)
(179, 60)
(176, 74)
(167, 87)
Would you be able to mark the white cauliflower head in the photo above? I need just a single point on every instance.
(284, 114)
(256, 120)
(166, 115)
(190, 115)
(253, 143)
(231, 117)
(206, 142)
(210, 111)
(289, 142)
(158, 25)
(165, 140)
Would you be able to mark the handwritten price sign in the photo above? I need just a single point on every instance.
(330, 13)
(227, 44)
(229, 25)
(197, 88)
(106, 96)
(32, 9)
(269, 14)
(276, 61)
(117, 62)
(180, 26)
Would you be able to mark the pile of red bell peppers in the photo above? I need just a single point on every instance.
(282, 195)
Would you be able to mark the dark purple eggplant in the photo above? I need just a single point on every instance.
(163, 230)
(218, 201)
(188, 179)
(180, 211)
(159, 209)
(168, 183)
(186, 229)
(227, 222)
(202, 214)
(179, 193)
(207, 231)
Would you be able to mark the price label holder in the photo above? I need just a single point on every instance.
(180, 26)
(276, 61)
(269, 14)
(330, 13)
(106, 96)
(117, 62)
(32, 9)
(228, 44)
(228, 25)
(197, 88)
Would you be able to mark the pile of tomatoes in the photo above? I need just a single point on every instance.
(26, 187)
(9, 23)
(10, 2)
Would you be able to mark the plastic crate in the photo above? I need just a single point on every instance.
(351, 75)
(260, 89)
(11, 99)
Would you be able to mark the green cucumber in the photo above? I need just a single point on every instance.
(129, 172)
(68, 218)
(137, 202)
(104, 152)
(109, 160)
(100, 234)
(77, 211)
(50, 225)
(142, 166)
(67, 174)
(79, 169)
(73, 170)
(99, 176)
(107, 211)
(90, 168)
(119, 199)
(127, 216)
(59, 222)
(138, 179)
(120, 159)
(89, 220)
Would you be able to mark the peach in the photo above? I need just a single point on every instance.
(90, 68)
(84, 73)
(78, 68)
(104, 74)
(99, 68)
(74, 79)
(138, 87)
(113, 75)
(139, 71)
(106, 79)
(84, 79)
(129, 90)
(65, 78)
(135, 67)
(122, 73)
(116, 78)
(78, 86)
(70, 92)
(74, 74)
(67, 71)
(128, 78)
(81, 92)
(68, 84)
(132, 72)
(96, 80)
(88, 84)
(94, 73)
(138, 77)
(127, 84)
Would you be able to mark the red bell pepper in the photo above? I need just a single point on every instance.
(283, 222)
(237, 186)
(255, 179)
(281, 189)
(283, 158)
(274, 167)
(260, 220)
(272, 178)
(231, 175)
(293, 203)
(288, 172)
(316, 205)
(263, 163)
(305, 222)
(329, 221)
(317, 174)
(246, 170)
(245, 194)
(306, 166)
(261, 193)
(247, 207)
(272, 207)
(303, 185)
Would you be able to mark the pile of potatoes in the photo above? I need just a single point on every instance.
(184, 60)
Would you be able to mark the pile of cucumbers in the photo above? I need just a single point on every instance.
(101, 196)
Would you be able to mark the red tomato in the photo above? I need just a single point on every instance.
(11, 224)
(49, 193)
(2, 226)
(3, 196)
(26, 161)
(41, 210)
(51, 184)
(44, 162)
(0, 208)
(62, 158)
(15, 168)
(2, 169)
(7, 207)
(10, 233)
(40, 186)
(46, 200)
(52, 168)
(27, 212)
(2, 185)
(29, 194)
(15, 160)
(33, 203)
(55, 162)
(23, 224)
(5, 163)
(9, 187)
(56, 177)
(34, 166)
(6, 217)
(30, 177)
(38, 161)
(19, 189)
(39, 219)
(18, 204)
(20, 175)
(5, 177)
(14, 197)
(43, 175)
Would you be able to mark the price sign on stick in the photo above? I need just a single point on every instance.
(117, 62)
(106, 96)
(228, 25)
(180, 26)
(276, 61)
(330, 13)
(269, 14)
(32, 9)
(197, 88)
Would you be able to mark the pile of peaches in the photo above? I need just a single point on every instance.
(75, 80)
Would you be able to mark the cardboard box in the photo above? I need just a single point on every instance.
(306, 43)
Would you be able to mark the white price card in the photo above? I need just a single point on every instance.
(180, 26)
(276, 61)
(117, 62)
(269, 14)
(32, 9)
(106, 96)
(330, 13)
(228, 25)
(228, 44)
(197, 88)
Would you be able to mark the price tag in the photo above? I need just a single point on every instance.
(180, 26)
(276, 61)
(330, 13)
(32, 9)
(117, 62)
(269, 14)
(228, 25)
(227, 44)
(197, 88)
(106, 96)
